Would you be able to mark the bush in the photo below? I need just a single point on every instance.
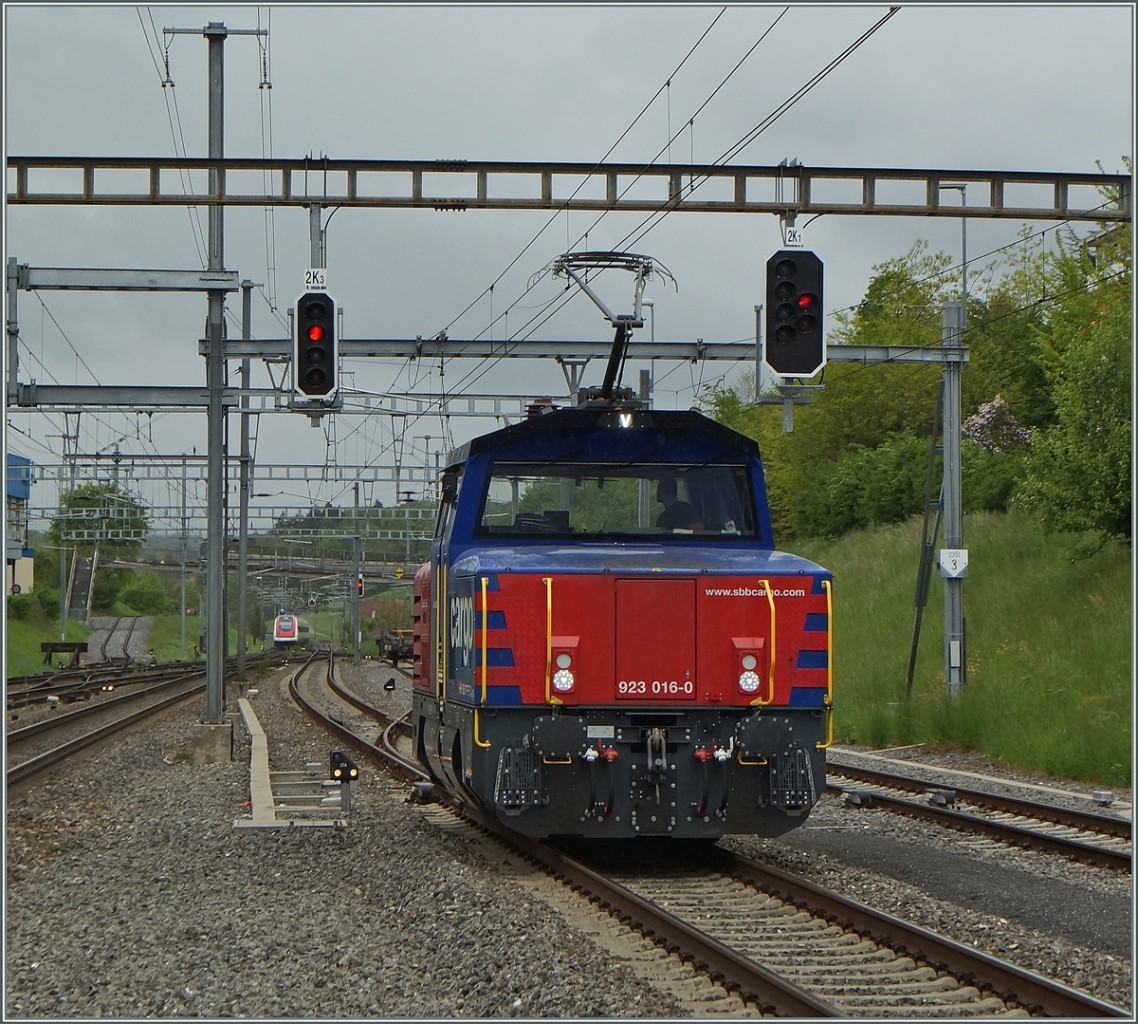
(19, 607)
(145, 595)
(828, 507)
(48, 598)
(867, 486)
(894, 481)
(108, 584)
(988, 479)
(878, 486)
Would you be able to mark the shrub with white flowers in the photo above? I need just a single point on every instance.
(995, 429)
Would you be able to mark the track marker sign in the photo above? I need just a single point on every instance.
(953, 563)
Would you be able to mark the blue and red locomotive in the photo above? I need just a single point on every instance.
(607, 643)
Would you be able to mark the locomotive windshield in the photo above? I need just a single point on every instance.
(617, 500)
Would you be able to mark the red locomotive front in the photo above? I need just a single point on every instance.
(583, 668)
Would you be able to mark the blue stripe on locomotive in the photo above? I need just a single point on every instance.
(497, 619)
(808, 697)
(500, 696)
(811, 659)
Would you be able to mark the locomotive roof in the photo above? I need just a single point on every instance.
(579, 420)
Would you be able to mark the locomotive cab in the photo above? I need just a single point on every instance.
(592, 660)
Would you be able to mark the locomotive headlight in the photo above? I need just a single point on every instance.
(563, 680)
(564, 659)
(749, 662)
(749, 681)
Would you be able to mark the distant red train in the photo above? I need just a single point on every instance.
(607, 643)
(286, 631)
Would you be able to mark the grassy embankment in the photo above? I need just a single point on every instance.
(1048, 647)
(1049, 656)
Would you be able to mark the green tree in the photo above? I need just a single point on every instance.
(859, 407)
(1078, 472)
(108, 585)
(100, 512)
(1005, 336)
(1051, 348)
(867, 486)
(144, 593)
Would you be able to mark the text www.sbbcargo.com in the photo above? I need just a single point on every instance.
(750, 592)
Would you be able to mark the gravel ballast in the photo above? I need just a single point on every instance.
(130, 894)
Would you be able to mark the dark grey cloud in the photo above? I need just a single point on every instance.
(1034, 87)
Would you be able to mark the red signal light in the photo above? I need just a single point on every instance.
(314, 347)
(795, 342)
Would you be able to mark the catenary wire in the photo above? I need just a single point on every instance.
(477, 374)
(659, 215)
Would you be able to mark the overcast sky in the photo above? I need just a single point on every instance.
(986, 87)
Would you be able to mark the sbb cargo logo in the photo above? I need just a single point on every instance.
(462, 629)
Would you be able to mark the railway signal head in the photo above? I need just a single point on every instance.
(360, 586)
(315, 348)
(343, 767)
(795, 342)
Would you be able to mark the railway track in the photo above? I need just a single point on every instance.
(849, 959)
(81, 685)
(44, 744)
(58, 738)
(317, 692)
(1082, 835)
(776, 941)
(116, 644)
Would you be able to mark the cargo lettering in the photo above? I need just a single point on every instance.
(462, 628)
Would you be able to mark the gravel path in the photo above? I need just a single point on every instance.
(130, 894)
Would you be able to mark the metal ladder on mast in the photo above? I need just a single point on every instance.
(930, 530)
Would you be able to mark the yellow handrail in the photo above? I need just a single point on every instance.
(549, 698)
(758, 701)
(478, 741)
(440, 637)
(829, 700)
(485, 617)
